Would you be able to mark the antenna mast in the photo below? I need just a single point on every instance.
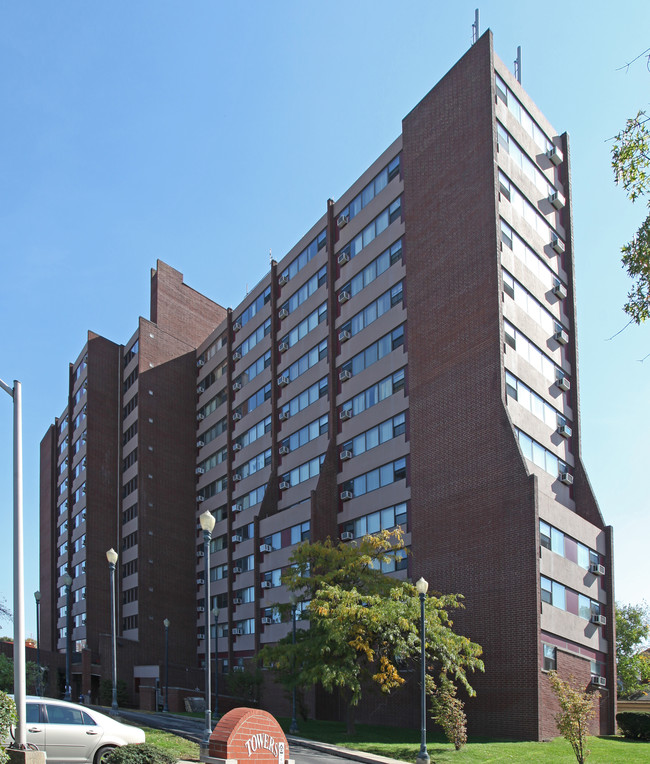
(476, 27)
(518, 65)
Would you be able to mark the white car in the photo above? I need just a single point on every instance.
(74, 734)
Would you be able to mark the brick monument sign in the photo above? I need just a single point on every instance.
(247, 734)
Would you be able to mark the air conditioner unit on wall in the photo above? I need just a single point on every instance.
(344, 296)
(237, 600)
(284, 313)
(560, 291)
(563, 383)
(344, 336)
(265, 548)
(266, 585)
(555, 155)
(236, 356)
(285, 485)
(345, 455)
(561, 336)
(347, 536)
(284, 450)
(236, 326)
(283, 381)
(284, 346)
(237, 632)
(266, 621)
(283, 279)
(343, 258)
(566, 478)
(237, 447)
(597, 569)
(599, 620)
(557, 244)
(345, 375)
(342, 220)
(345, 414)
(346, 495)
(236, 570)
(284, 415)
(557, 200)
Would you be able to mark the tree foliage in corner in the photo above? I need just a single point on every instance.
(631, 163)
(632, 665)
(364, 625)
(576, 710)
(7, 718)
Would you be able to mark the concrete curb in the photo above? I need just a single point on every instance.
(346, 753)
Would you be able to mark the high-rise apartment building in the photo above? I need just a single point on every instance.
(411, 361)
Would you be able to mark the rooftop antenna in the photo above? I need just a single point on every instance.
(518, 65)
(475, 27)
(271, 256)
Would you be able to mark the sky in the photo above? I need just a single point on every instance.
(208, 133)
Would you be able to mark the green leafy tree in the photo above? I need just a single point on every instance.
(448, 711)
(364, 625)
(7, 674)
(7, 718)
(631, 163)
(576, 710)
(246, 685)
(632, 631)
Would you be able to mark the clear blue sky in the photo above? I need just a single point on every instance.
(206, 133)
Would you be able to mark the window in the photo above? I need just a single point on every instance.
(532, 402)
(374, 269)
(273, 577)
(129, 568)
(307, 325)
(129, 541)
(304, 472)
(521, 115)
(542, 457)
(130, 622)
(305, 291)
(81, 367)
(305, 362)
(527, 255)
(130, 459)
(300, 532)
(531, 353)
(374, 310)
(214, 459)
(372, 230)
(213, 432)
(213, 376)
(255, 400)
(130, 380)
(129, 487)
(131, 353)
(254, 308)
(254, 369)
(525, 209)
(306, 397)
(210, 351)
(532, 307)
(129, 433)
(255, 432)
(524, 162)
(553, 593)
(376, 351)
(377, 478)
(373, 188)
(254, 338)
(274, 540)
(130, 513)
(384, 519)
(213, 404)
(130, 406)
(215, 487)
(549, 657)
(251, 498)
(308, 253)
(130, 595)
(307, 433)
(375, 436)
(256, 463)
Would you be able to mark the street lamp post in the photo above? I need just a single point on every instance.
(422, 587)
(166, 623)
(67, 580)
(19, 569)
(112, 558)
(37, 598)
(215, 612)
(207, 524)
(293, 727)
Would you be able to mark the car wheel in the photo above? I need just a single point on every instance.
(102, 754)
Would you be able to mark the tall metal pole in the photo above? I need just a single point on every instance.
(67, 580)
(215, 713)
(37, 597)
(293, 727)
(423, 756)
(112, 558)
(19, 587)
(207, 523)
(166, 706)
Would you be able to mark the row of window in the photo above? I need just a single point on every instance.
(130, 459)
(374, 310)
(308, 253)
(531, 353)
(305, 398)
(130, 513)
(255, 464)
(525, 209)
(383, 519)
(558, 542)
(254, 433)
(213, 376)
(130, 406)
(257, 367)
(376, 393)
(81, 366)
(374, 269)
(214, 459)
(130, 432)
(527, 255)
(130, 380)
(542, 457)
(529, 304)
(375, 352)
(304, 327)
(306, 434)
(376, 186)
(79, 394)
(305, 362)
(522, 116)
(375, 436)
(253, 339)
(255, 400)
(79, 419)
(524, 162)
(532, 402)
(303, 472)
(305, 291)
(562, 597)
(79, 442)
(254, 308)
(131, 352)
(377, 478)
(213, 404)
(392, 213)
(213, 432)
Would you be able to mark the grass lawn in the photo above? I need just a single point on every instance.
(405, 744)
(176, 746)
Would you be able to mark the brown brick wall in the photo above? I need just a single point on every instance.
(472, 503)
(47, 557)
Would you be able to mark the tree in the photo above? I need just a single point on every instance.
(632, 631)
(7, 674)
(7, 718)
(631, 163)
(364, 625)
(576, 709)
(5, 613)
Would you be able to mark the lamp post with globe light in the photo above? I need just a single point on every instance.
(207, 522)
(112, 558)
(37, 598)
(422, 587)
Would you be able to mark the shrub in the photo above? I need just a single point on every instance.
(449, 713)
(106, 693)
(634, 724)
(141, 753)
(576, 709)
(7, 718)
